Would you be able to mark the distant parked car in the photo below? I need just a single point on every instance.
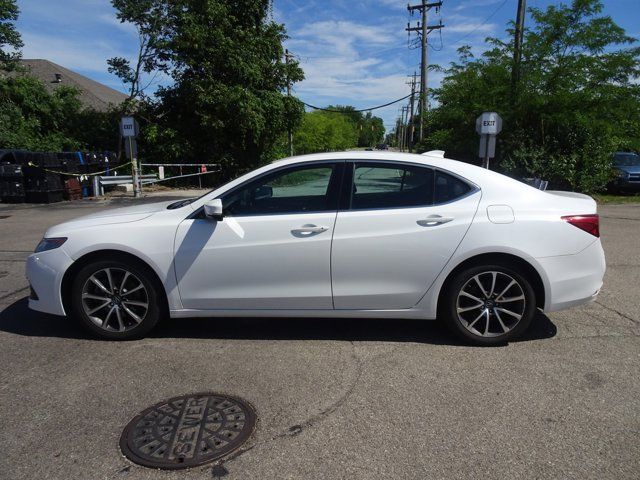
(382, 146)
(346, 234)
(627, 167)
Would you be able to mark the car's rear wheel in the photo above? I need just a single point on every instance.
(116, 300)
(489, 304)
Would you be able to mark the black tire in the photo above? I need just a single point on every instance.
(448, 309)
(153, 291)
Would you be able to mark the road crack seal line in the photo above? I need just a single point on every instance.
(295, 430)
(611, 309)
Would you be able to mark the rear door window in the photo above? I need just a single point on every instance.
(378, 185)
(449, 188)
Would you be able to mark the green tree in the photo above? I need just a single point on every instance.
(370, 128)
(371, 131)
(323, 131)
(10, 40)
(226, 102)
(149, 17)
(34, 119)
(577, 102)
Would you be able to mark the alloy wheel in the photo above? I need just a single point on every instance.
(490, 304)
(115, 299)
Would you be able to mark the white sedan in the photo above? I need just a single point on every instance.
(351, 234)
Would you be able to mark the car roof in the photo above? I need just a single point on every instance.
(433, 159)
(482, 177)
(436, 159)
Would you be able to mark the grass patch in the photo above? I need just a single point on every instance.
(612, 199)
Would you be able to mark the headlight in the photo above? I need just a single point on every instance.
(49, 244)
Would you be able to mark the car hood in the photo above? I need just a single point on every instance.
(108, 217)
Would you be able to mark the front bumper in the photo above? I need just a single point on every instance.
(574, 279)
(45, 271)
(631, 184)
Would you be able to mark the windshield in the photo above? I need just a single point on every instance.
(626, 160)
(187, 201)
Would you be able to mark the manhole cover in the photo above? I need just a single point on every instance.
(188, 431)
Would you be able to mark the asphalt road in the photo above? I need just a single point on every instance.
(335, 398)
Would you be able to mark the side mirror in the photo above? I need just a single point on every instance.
(213, 209)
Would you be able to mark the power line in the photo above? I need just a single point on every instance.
(481, 24)
(351, 111)
(439, 49)
(333, 59)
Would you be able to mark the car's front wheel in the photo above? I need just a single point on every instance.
(116, 300)
(489, 304)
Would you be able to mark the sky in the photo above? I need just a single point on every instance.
(352, 52)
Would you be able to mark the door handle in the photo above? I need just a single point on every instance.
(307, 230)
(433, 220)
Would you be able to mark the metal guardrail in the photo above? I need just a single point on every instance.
(151, 178)
(204, 169)
(180, 165)
(122, 179)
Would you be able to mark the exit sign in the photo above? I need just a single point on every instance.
(128, 127)
(489, 123)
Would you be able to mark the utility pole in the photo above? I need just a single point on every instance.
(406, 127)
(517, 48)
(403, 128)
(412, 82)
(423, 30)
(287, 55)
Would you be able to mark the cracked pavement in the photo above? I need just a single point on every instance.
(335, 398)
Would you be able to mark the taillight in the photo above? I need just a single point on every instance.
(588, 223)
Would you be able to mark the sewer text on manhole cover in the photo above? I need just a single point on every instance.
(187, 431)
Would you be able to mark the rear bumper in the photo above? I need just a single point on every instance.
(45, 272)
(574, 279)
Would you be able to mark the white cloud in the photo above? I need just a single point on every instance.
(339, 65)
(340, 37)
(474, 4)
(77, 34)
(86, 55)
(472, 27)
(109, 19)
(352, 63)
(457, 23)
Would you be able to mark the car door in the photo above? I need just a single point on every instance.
(395, 232)
(272, 248)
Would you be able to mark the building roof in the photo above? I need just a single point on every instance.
(92, 94)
